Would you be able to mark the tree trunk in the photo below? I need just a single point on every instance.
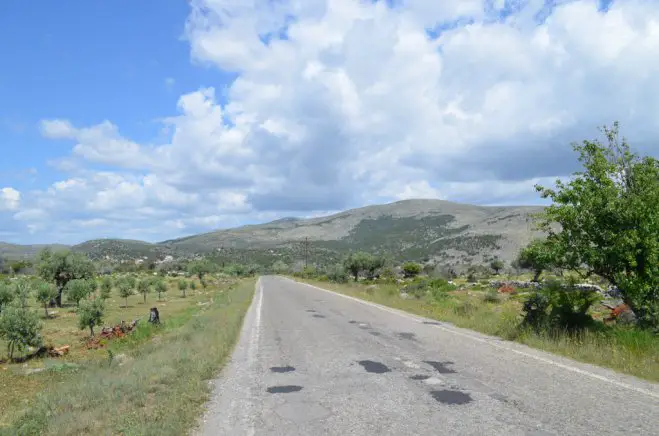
(58, 299)
(144, 298)
(183, 293)
(91, 329)
(536, 277)
(126, 302)
(11, 351)
(45, 307)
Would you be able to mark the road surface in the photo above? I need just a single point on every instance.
(312, 362)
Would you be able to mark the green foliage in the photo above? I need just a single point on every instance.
(193, 285)
(106, 287)
(435, 287)
(90, 314)
(388, 275)
(337, 274)
(60, 267)
(201, 267)
(559, 306)
(279, 267)
(609, 220)
(161, 288)
(182, 286)
(7, 295)
(125, 289)
(20, 328)
(537, 256)
(492, 296)
(144, 287)
(358, 262)
(78, 289)
(411, 269)
(22, 290)
(497, 265)
(46, 292)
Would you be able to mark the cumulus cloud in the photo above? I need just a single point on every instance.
(9, 199)
(339, 103)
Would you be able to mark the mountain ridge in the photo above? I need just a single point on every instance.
(417, 229)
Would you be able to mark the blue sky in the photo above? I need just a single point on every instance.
(156, 119)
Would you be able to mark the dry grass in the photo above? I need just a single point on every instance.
(20, 391)
(626, 350)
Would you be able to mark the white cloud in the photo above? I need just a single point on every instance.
(358, 104)
(9, 199)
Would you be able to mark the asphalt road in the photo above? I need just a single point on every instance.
(312, 362)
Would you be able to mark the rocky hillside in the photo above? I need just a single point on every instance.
(450, 233)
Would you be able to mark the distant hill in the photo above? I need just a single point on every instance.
(447, 232)
(18, 252)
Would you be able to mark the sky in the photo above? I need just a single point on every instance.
(156, 119)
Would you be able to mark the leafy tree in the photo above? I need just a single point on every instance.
(22, 289)
(90, 314)
(373, 265)
(7, 295)
(45, 294)
(106, 287)
(609, 221)
(77, 289)
(144, 287)
(497, 265)
(200, 268)
(182, 286)
(20, 328)
(193, 286)
(411, 269)
(357, 262)
(537, 256)
(125, 289)
(161, 288)
(279, 267)
(19, 266)
(132, 281)
(63, 266)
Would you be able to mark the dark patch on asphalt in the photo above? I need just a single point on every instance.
(315, 315)
(440, 367)
(408, 336)
(311, 311)
(420, 377)
(374, 367)
(352, 322)
(451, 397)
(365, 327)
(375, 333)
(284, 389)
(287, 368)
(431, 322)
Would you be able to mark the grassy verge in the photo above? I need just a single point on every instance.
(624, 349)
(156, 383)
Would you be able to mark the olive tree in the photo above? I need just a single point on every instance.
(144, 287)
(200, 268)
(182, 286)
(90, 314)
(125, 289)
(20, 328)
(76, 290)
(497, 265)
(161, 288)
(61, 267)
(7, 295)
(356, 263)
(605, 221)
(106, 287)
(46, 292)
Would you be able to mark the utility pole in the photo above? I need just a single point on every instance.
(306, 252)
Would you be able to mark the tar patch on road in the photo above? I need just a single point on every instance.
(451, 397)
(352, 322)
(374, 367)
(420, 377)
(374, 333)
(431, 322)
(408, 336)
(316, 315)
(440, 367)
(284, 389)
(311, 311)
(282, 369)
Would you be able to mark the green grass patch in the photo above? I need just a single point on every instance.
(156, 382)
(628, 350)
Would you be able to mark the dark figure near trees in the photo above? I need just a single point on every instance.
(154, 317)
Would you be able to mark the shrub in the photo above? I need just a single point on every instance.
(7, 295)
(22, 290)
(337, 274)
(20, 328)
(388, 275)
(535, 310)
(411, 269)
(466, 308)
(491, 297)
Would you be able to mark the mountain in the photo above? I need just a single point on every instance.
(450, 233)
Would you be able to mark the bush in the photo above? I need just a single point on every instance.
(411, 269)
(466, 308)
(20, 328)
(492, 297)
(6, 295)
(337, 274)
(559, 306)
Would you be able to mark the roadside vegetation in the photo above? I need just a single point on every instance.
(591, 287)
(79, 355)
